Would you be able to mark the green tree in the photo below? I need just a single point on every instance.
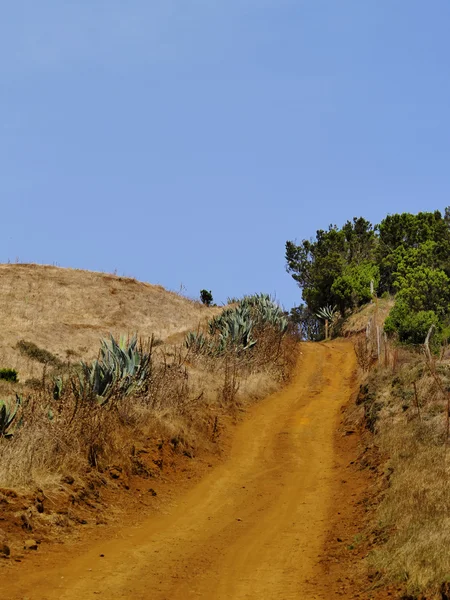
(206, 297)
(316, 265)
(353, 287)
(401, 233)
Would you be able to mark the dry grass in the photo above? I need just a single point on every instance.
(408, 413)
(187, 397)
(183, 403)
(357, 322)
(67, 311)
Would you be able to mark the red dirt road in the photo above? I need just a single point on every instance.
(253, 528)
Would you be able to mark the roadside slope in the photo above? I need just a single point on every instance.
(253, 528)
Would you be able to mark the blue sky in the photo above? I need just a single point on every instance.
(183, 142)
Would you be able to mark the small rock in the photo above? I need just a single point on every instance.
(39, 496)
(115, 472)
(26, 523)
(40, 507)
(8, 493)
(68, 479)
(152, 492)
(30, 545)
(4, 550)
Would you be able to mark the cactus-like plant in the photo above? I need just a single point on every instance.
(8, 414)
(327, 312)
(122, 368)
(196, 341)
(236, 327)
(57, 388)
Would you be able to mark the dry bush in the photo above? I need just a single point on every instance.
(356, 323)
(363, 352)
(183, 401)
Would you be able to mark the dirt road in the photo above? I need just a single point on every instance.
(251, 529)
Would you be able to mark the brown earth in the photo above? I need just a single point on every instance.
(259, 525)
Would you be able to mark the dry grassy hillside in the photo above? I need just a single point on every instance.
(357, 321)
(67, 311)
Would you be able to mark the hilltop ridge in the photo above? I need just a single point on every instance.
(67, 311)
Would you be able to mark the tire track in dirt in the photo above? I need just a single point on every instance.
(252, 528)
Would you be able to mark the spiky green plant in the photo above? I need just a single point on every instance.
(122, 368)
(327, 312)
(57, 388)
(237, 327)
(8, 414)
(196, 341)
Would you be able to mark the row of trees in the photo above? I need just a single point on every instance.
(406, 255)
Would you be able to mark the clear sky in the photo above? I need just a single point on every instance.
(182, 142)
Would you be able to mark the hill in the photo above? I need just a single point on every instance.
(67, 312)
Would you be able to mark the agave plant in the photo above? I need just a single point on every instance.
(8, 414)
(236, 327)
(196, 341)
(57, 388)
(121, 368)
(327, 312)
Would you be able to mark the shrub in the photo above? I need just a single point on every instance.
(352, 288)
(40, 355)
(9, 375)
(411, 327)
(206, 297)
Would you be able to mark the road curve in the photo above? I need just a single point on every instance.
(252, 528)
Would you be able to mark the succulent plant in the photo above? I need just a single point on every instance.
(8, 414)
(235, 328)
(122, 368)
(196, 341)
(327, 312)
(57, 388)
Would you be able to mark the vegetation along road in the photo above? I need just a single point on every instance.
(252, 528)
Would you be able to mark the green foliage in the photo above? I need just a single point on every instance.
(422, 288)
(37, 354)
(305, 323)
(8, 414)
(196, 341)
(206, 297)
(412, 239)
(411, 327)
(352, 288)
(58, 386)
(316, 265)
(326, 313)
(9, 375)
(407, 255)
(235, 328)
(121, 369)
